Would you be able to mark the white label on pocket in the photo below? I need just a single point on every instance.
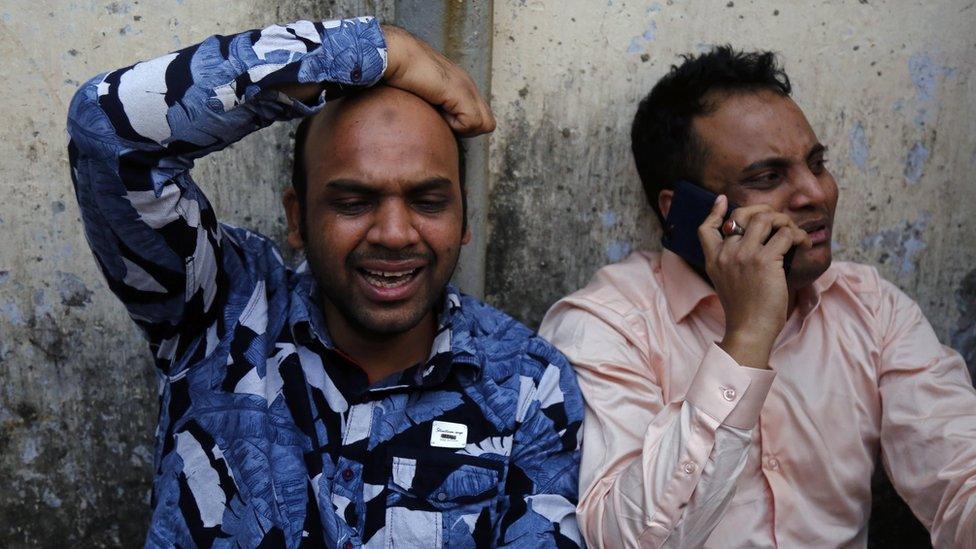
(444, 434)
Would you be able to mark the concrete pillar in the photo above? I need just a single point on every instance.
(462, 29)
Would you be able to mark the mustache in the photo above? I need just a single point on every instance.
(385, 254)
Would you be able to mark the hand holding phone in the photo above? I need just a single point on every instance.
(747, 271)
(690, 205)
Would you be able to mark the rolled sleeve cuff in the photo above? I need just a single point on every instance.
(730, 393)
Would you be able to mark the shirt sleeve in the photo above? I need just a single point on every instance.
(543, 477)
(135, 133)
(928, 423)
(654, 473)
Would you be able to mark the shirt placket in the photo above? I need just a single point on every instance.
(770, 458)
(348, 488)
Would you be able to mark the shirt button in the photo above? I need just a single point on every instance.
(355, 74)
(773, 464)
(728, 394)
(690, 468)
(441, 496)
(347, 474)
(347, 545)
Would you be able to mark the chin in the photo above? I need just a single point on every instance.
(806, 271)
(387, 323)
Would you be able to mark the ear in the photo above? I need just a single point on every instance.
(664, 201)
(466, 237)
(293, 213)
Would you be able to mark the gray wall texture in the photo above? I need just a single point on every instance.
(889, 86)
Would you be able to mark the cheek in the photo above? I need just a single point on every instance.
(335, 237)
(444, 238)
(777, 199)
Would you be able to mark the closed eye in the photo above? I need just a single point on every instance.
(764, 180)
(352, 207)
(431, 204)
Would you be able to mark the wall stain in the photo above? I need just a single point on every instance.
(47, 336)
(900, 245)
(638, 44)
(926, 75)
(10, 311)
(915, 162)
(72, 290)
(858, 147)
(963, 338)
(617, 250)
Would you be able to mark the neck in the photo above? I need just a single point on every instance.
(795, 287)
(380, 355)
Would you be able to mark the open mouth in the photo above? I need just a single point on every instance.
(389, 279)
(819, 232)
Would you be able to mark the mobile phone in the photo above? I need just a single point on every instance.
(690, 206)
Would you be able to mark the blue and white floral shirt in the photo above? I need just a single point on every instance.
(267, 434)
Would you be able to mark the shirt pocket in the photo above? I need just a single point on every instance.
(442, 500)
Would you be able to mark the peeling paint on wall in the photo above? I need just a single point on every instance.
(858, 147)
(915, 162)
(926, 75)
(902, 244)
(639, 44)
(617, 251)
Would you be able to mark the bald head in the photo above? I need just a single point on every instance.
(386, 129)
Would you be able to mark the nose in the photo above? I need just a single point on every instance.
(808, 190)
(393, 226)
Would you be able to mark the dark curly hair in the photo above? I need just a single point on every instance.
(665, 147)
(299, 177)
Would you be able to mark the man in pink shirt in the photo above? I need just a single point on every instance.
(749, 411)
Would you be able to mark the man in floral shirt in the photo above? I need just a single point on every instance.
(358, 400)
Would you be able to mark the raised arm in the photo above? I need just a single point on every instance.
(135, 133)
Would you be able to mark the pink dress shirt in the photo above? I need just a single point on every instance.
(682, 447)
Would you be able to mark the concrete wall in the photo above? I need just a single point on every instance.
(77, 388)
(889, 86)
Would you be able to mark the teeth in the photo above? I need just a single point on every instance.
(388, 279)
(388, 273)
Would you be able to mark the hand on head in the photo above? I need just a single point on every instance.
(417, 68)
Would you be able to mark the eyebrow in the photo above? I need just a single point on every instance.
(358, 187)
(780, 162)
(350, 186)
(431, 184)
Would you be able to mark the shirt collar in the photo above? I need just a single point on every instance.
(453, 343)
(685, 289)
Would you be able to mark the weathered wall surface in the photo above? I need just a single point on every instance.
(890, 87)
(77, 390)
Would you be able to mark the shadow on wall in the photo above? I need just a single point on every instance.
(964, 336)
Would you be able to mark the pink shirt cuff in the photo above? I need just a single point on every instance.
(730, 393)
